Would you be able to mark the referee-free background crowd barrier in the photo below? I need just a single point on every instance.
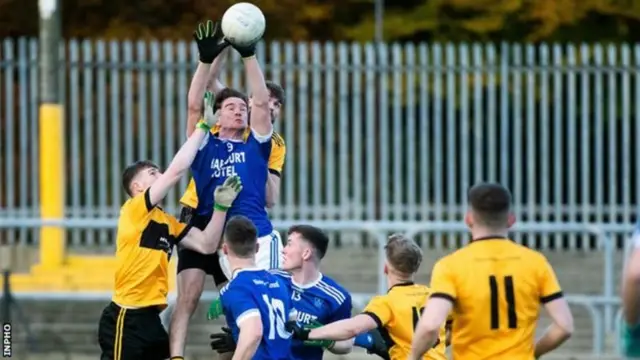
(380, 138)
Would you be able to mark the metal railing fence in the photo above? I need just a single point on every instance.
(392, 132)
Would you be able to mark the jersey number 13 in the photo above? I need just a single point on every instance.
(510, 297)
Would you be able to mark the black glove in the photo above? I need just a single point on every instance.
(246, 51)
(299, 333)
(380, 347)
(209, 39)
(223, 342)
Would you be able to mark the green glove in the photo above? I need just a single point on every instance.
(215, 310)
(209, 38)
(209, 117)
(325, 344)
(225, 194)
(630, 340)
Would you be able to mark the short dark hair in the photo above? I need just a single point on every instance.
(132, 171)
(241, 236)
(226, 93)
(314, 236)
(404, 255)
(276, 91)
(491, 204)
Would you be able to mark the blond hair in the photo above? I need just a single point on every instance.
(403, 254)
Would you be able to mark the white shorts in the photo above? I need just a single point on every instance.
(269, 254)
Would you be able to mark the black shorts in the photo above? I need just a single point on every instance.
(189, 259)
(132, 334)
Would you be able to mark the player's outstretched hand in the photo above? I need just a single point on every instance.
(325, 344)
(210, 40)
(379, 346)
(299, 333)
(246, 51)
(223, 342)
(209, 117)
(225, 194)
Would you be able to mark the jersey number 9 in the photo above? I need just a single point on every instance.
(277, 318)
(510, 296)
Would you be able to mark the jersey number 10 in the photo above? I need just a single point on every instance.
(512, 318)
(276, 318)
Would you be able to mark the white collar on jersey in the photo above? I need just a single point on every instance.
(239, 270)
(309, 285)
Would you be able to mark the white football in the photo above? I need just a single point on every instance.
(243, 24)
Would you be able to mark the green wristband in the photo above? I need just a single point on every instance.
(219, 207)
(202, 125)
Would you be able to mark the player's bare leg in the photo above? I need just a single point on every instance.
(190, 286)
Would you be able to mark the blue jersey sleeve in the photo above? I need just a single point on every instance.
(343, 311)
(241, 304)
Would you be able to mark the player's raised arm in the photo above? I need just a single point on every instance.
(214, 84)
(206, 241)
(260, 116)
(181, 162)
(558, 309)
(208, 37)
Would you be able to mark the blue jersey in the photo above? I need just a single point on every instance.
(322, 301)
(254, 292)
(218, 159)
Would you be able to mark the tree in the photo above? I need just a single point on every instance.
(351, 20)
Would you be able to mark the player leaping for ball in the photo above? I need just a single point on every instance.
(394, 313)
(316, 298)
(494, 287)
(130, 327)
(235, 149)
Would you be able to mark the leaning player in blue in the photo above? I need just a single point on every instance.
(235, 149)
(316, 298)
(255, 302)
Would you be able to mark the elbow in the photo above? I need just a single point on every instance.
(260, 99)
(433, 333)
(270, 203)
(209, 246)
(430, 327)
(254, 336)
(342, 347)
(194, 106)
(567, 330)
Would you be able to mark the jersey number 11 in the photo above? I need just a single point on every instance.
(512, 318)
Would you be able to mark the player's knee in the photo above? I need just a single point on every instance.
(190, 286)
(187, 303)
